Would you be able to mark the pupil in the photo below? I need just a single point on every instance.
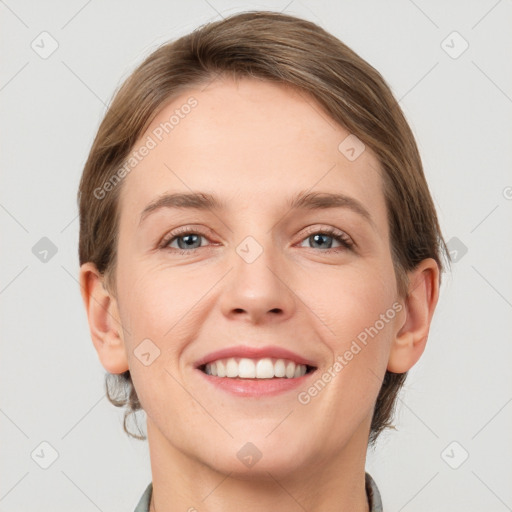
(316, 237)
(189, 240)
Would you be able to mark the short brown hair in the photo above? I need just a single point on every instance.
(279, 48)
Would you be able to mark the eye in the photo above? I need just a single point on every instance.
(322, 238)
(187, 240)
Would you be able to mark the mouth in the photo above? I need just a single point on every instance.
(255, 378)
(248, 371)
(243, 368)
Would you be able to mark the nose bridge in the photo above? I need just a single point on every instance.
(257, 285)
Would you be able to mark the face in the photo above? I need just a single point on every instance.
(269, 267)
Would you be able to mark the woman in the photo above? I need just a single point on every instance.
(260, 262)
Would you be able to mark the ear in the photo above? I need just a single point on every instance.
(420, 303)
(104, 321)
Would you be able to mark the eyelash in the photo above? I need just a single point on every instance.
(339, 236)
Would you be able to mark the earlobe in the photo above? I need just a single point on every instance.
(411, 338)
(104, 321)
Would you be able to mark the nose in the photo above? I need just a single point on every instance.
(259, 288)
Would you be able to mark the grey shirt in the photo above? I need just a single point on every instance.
(372, 492)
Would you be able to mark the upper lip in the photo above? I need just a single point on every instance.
(254, 353)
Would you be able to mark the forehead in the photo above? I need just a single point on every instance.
(249, 142)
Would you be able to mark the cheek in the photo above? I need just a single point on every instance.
(163, 311)
(356, 335)
(358, 324)
(157, 311)
(155, 298)
(352, 297)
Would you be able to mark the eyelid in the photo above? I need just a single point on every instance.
(327, 229)
(345, 239)
(192, 229)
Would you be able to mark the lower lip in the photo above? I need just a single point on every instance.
(256, 387)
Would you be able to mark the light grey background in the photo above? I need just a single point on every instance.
(51, 380)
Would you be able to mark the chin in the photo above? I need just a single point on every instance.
(266, 469)
(249, 460)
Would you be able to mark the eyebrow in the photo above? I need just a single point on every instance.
(304, 200)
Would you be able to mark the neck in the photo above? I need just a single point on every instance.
(182, 482)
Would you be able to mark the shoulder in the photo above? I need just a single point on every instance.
(143, 505)
(372, 491)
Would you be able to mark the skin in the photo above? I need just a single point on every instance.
(255, 144)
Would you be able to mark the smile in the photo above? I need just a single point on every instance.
(264, 368)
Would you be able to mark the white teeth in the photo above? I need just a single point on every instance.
(221, 368)
(264, 369)
(280, 369)
(245, 368)
(231, 368)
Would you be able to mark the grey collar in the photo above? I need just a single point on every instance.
(372, 492)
